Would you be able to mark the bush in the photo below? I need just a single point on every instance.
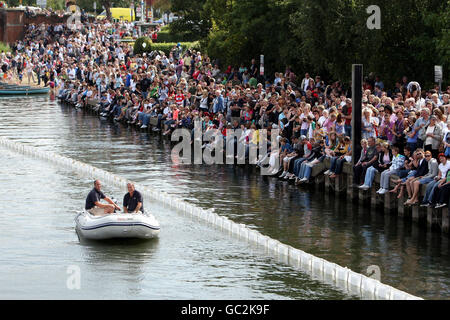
(167, 47)
(141, 45)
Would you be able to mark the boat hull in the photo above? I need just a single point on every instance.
(117, 226)
(17, 91)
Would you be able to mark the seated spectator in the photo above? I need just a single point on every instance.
(397, 164)
(346, 156)
(443, 168)
(294, 154)
(366, 160)
(382, 163)
(317, 156)
(307, 149)
(441, 196)
(410, 166)
(430, 173)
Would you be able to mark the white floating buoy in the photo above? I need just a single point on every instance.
(226, 225)
(283, 250)
(212, 218)
(262, 241)
(368, 287)
(341, 276)
(354, 282)
(382, 291)
(219, 222)
(196, 212)
(295, 257)
(253, 236)
(329, 271)
(243, 232)
(272, 245)
(235, 229)
(306, 261)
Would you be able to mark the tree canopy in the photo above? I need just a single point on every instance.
(324, 37)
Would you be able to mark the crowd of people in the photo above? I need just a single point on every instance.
(405, 129)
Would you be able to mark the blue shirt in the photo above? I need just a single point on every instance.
(287, 147)
(414, 138)
(128, 80)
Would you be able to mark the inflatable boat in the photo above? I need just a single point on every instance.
(116, 225)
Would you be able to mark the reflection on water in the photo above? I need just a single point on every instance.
(410, 258)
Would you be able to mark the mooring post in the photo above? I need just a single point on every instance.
(445, 219)
(429, 217)
(415, 213)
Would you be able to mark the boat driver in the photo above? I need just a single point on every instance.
(132, 201)
(93, 204)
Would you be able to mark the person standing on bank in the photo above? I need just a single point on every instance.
(432, 137)
(132, 201)
(93, 204)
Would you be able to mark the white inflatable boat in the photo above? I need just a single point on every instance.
(116, 225)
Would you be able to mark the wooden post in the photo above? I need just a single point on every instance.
(350, 189)
(400, 207)
(445, 219)
(339, 184)
(319, 181)
(415, 213)
(389, 201)
(327, 183)
(363, 196)
(429, 217)
(373, 196)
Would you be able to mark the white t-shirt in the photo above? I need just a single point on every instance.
(429, 140)
(444, 168)
(322, 119)
(166, 110)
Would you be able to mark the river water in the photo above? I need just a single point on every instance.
(189, 260)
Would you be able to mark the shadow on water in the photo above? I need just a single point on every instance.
(122, 243)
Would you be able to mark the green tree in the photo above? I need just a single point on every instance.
(327, 37)
(243, 30)
(163, 5)
(193, 21)
(88, 5)
(56, 4)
